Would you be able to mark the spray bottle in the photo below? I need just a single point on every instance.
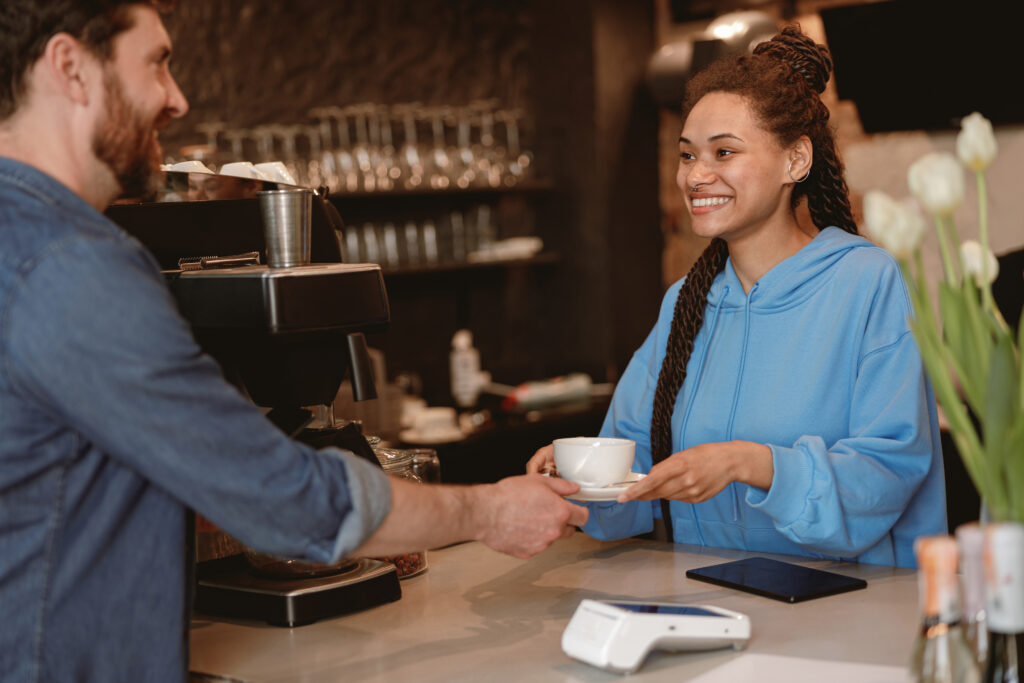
(466, 378)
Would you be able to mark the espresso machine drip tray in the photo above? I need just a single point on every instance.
(232, 590)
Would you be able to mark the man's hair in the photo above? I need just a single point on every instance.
(26, 26)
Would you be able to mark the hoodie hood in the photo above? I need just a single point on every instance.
(790, 281)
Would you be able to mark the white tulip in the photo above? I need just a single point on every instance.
(976, 142)
(897, 226)
(937, 181)
(978, 262)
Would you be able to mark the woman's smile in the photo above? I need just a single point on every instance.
(708, 204)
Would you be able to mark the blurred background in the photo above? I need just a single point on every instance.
(468, 123)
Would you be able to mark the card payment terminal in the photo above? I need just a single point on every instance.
(618, 636)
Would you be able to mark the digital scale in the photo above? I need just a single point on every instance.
(618, 636)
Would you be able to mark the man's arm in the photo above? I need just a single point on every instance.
(520, 516)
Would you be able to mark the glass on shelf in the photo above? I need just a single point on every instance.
(376, 147)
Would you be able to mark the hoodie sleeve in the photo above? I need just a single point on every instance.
(843, 498)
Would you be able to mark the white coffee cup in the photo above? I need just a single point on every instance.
(276, 172)
(594, 460)
(242, 169)
(192, 166)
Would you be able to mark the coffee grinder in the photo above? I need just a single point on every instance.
(286, 337)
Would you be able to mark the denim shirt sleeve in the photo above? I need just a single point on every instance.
(95, 340)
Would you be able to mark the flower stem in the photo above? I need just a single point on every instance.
(982, 211)
(986, 289)
(947, 262)
(954, 245)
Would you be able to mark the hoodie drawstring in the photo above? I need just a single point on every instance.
(696, 384)
(736, 395)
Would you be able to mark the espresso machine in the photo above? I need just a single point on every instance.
(286, 337)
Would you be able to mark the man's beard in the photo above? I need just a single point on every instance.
(126, 144)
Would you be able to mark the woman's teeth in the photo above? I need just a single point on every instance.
(709, 201)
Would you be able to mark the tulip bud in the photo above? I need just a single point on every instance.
(937, 181)
(978, 262)
(976, 143)
(897, 226)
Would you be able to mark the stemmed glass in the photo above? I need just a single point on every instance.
(489, 159)
(348, 174)
(264, 138)
(441, 168)
(325, 143)
(463, 151)
(314, 176)
(518, 160)
(236, 138)
(289, 153)
(361, 149)
(388, 169)
(410, 159)
(211, 150)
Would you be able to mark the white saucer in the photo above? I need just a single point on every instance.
(593, 494)
(430, 438)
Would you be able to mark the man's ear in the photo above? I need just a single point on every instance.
(71, 67)
(801, 157)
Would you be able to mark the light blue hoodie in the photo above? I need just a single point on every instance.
(818, 362)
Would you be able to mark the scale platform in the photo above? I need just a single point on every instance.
(232, 590)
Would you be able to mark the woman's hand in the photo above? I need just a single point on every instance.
(701, 472)
(543, 461)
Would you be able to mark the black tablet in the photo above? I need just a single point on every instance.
(778, 580)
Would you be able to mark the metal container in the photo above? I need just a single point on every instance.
(287, 225)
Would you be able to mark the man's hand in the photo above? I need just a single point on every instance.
(701, 472)
(521, 516)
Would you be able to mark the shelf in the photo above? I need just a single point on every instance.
(544, 258)
(527, 187)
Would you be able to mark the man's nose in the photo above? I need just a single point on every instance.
(176, 105)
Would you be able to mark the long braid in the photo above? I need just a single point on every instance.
(687, 319)
(828, 199)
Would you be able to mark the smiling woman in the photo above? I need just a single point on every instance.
(779, 404)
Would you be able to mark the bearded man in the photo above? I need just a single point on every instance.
(113, 423)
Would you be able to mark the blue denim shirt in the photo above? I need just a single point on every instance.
(112, 423)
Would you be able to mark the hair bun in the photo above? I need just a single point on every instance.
(807, 58)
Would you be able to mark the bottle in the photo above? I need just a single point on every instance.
(1004, 598)
(572, 388)
(466, 378)
(941, 653)
(971, 540)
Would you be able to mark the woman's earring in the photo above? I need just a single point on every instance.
(797, 180)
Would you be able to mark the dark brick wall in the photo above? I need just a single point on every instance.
(251, 62)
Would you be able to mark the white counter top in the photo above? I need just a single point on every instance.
(477, 615)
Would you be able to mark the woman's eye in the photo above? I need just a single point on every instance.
(725, 152)
(687, 156)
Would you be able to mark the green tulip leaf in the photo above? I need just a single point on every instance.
(968, 357)
(1000, 398)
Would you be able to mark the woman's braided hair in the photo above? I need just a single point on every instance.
(781, 82)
